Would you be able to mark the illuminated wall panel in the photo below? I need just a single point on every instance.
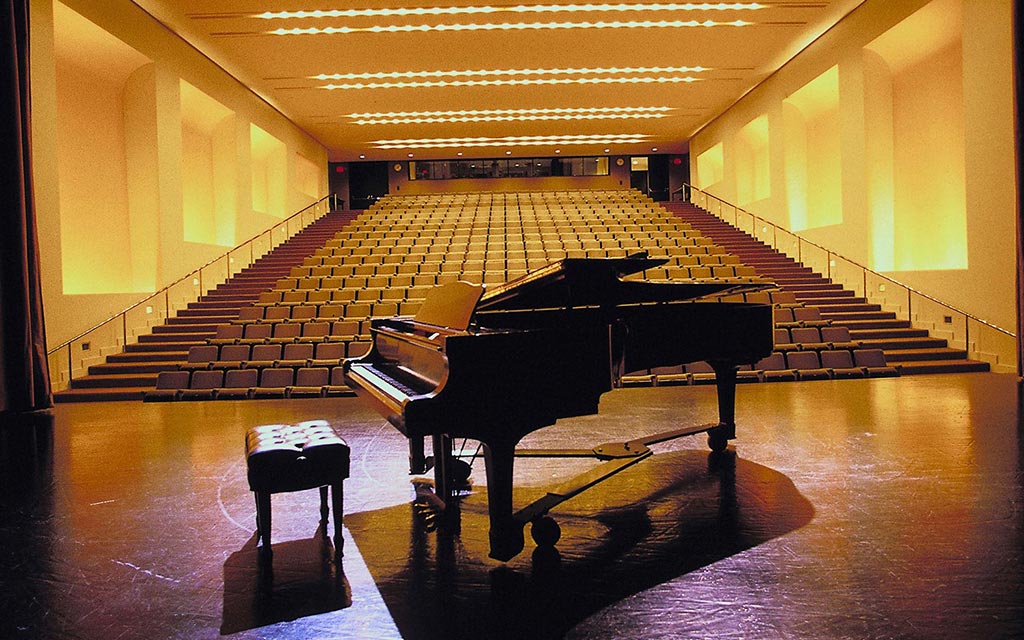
(928, 124)
(269, 173)
(710, 167)
(924, 59)
(207, 158)
(813, 159)
(92, 71)
(753, 176)
(307, 177)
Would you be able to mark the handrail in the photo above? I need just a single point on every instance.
(832, 254)
(165, 291)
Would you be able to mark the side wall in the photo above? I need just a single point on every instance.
(149, 160)
(889, 141)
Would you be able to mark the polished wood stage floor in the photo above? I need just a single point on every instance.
(889, 508)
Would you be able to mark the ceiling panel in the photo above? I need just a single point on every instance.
(522, 74)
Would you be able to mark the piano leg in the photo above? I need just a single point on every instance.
(725, 380)
(417, 459)
(443, 484)
(506, 534)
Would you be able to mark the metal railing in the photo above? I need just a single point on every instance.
(74, 356)
(980, 338)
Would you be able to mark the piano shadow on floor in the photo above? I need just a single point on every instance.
(652, 523)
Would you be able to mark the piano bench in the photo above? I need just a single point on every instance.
(282, 457)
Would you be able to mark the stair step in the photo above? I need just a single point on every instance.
(903, 330)
(198, 313)
(100, 395)
(918, 355)
(837, 303)
(186, 328)
(176, 337)
(205, 319)
(844, 317)
(149, 356)
(942, 366)
(115, 380)
(887, 343)
(137, 347)
(880, 326)
(129, 368)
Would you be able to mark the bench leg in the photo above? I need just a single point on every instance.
(263, 525)
(338, 498)
(325, 512)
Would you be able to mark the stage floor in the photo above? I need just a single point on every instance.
(890, 508)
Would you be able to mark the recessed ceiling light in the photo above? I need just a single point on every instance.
(485, 9)
(510, 141)
(511, 77)
(410, 155)
(362, 157)
(508, 115)
(507, 26)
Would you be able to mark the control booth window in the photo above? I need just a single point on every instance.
(508, 168)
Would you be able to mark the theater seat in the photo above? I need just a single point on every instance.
(274, 383)
(840, 363)
(203, 384)
(310, 382)
(873, 361)
(238, 384)
(168, 386)
(807, 365)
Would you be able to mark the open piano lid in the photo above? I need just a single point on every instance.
(597, 282)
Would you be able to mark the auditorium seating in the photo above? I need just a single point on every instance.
(292, 341)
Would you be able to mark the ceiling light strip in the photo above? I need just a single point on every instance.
(507, 26)
(505, 72)
(513, 141)
(509, 115)
(510, 118)
(505, 83)
(392, 114)
(520, 9)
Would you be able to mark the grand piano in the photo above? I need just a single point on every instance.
(494, 364)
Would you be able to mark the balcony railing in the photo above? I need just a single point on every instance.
(74, 357)
(981, 339)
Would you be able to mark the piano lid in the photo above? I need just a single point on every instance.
(597, 282)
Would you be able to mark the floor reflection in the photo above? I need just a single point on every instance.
(658, 520)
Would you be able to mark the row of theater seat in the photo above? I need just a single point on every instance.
(813, 338)
(325, 313)
(287, 331)
(242, 384)
(396, 233)
(368, 261)
(827, 364)
(237, 355)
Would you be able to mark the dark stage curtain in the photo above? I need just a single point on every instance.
(1018, 54)
(24, 375)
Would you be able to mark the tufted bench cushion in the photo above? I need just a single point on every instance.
(284, 457)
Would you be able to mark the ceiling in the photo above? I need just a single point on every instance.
(380, 80)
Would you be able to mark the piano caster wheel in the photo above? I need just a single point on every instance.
(460, 471)
(718, 443)
(545, 531)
